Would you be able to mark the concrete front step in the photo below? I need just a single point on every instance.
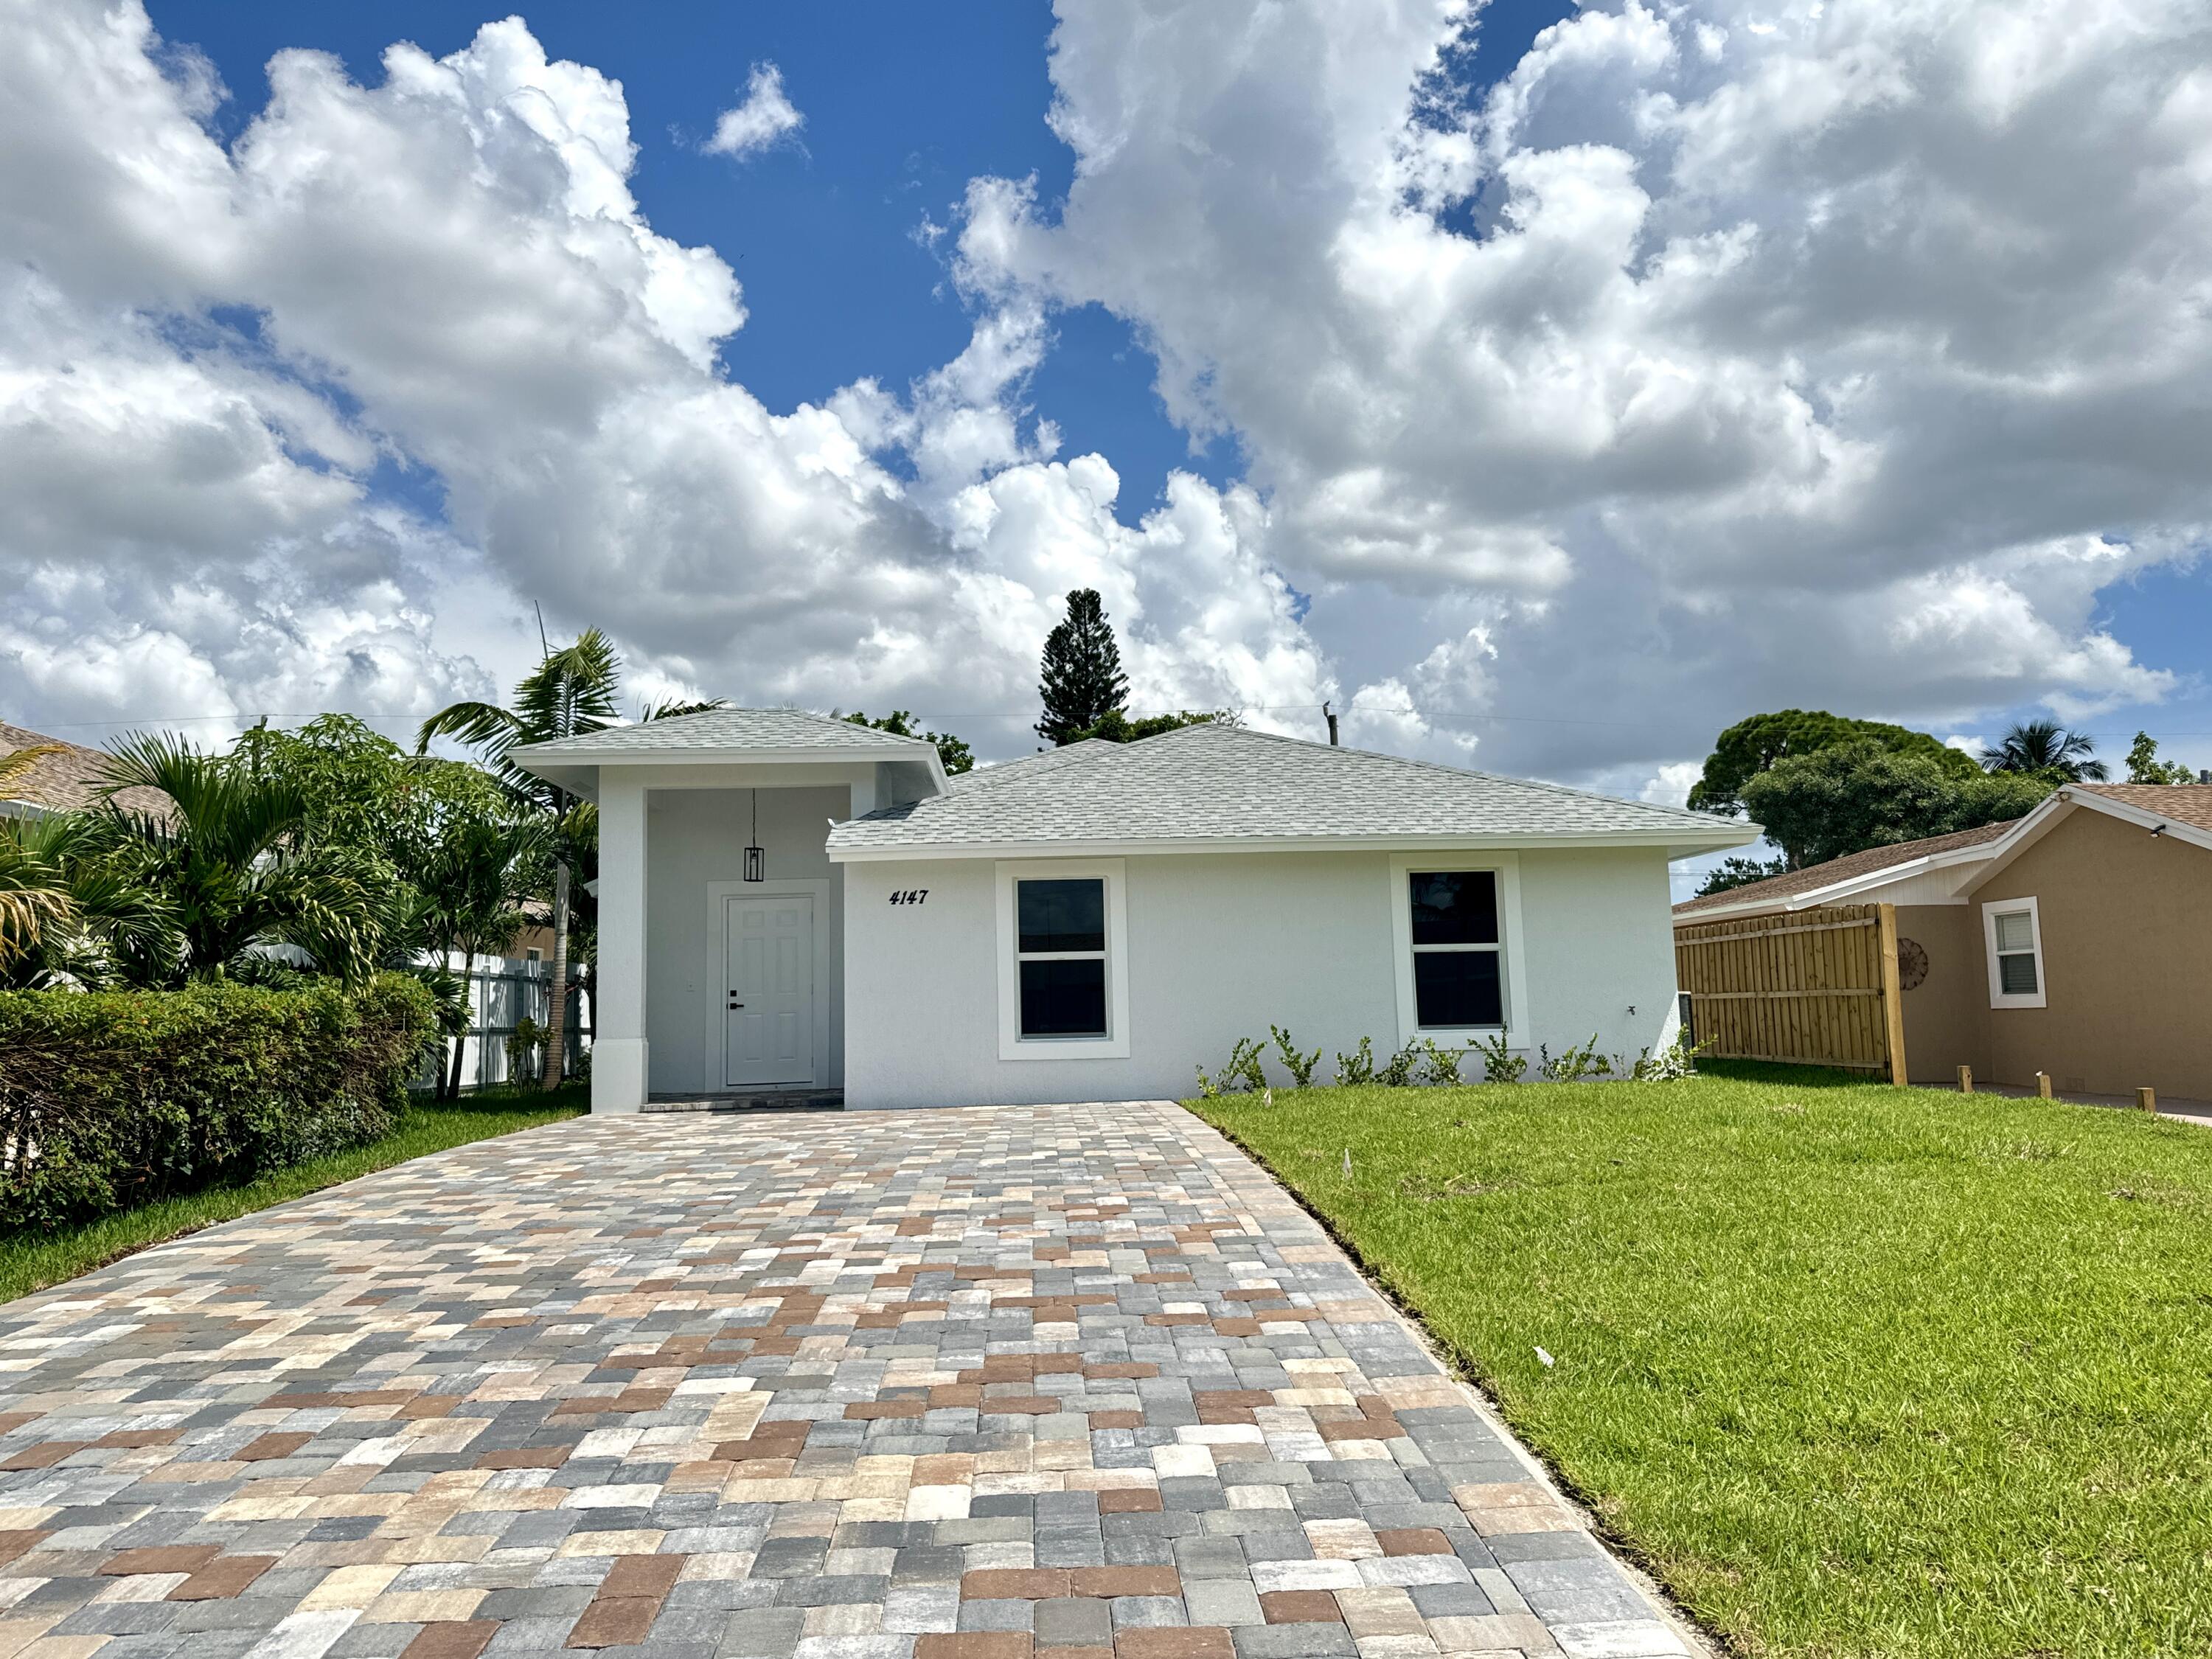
(766, 1100)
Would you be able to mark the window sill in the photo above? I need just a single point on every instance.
(1065, 1048)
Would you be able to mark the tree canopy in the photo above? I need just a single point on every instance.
(1115, 726)
(2145, 767)
(956, 754)
(1080, 679)
(1752, 746)
(1851, 796)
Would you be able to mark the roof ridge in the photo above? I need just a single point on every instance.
(1682, 813)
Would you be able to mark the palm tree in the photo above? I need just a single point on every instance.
(2046, 746)
(68, 914)
(571, 691)
(472, 888)
(231, 865)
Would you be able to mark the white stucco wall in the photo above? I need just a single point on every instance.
(1219, 946)
(696, 836)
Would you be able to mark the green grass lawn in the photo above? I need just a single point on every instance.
(1855, 1370)
(33, 1262)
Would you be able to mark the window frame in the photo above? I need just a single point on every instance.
(1999, 997)
(1505, 868)
(1012, 1045)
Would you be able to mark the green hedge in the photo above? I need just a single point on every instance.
(114, 1099)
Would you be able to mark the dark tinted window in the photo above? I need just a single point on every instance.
(1061, 916)
(1455, 907)
(1457, 987)
(1064, 999)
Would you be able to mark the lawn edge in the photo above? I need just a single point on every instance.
(187, 1229)
(1457, 1365)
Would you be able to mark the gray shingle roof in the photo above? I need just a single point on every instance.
(71, 779)
(733, 728)
(1226, 783)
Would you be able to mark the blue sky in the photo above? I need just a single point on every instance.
(1433, 486)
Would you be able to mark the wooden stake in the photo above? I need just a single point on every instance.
(2043, 1084)
(2147, 1099)
(1965, 1080)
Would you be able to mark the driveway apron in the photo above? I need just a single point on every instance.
(1079, 1382)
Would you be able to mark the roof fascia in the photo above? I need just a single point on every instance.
(1837, 891)
(2129, 812)
(2059, 805)
(919, 852)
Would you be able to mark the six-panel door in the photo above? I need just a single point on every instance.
(768, 1030)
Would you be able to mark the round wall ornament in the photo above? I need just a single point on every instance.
(1911, 963)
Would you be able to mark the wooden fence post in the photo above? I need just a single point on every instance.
(2147, 1099)
(1965, 1080)
(1893, 994)
(2043, 1085)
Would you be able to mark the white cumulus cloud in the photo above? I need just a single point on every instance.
(765, 114)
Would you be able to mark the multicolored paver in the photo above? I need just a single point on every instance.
(1067, 1383)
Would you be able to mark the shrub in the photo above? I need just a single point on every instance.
(1357, 1066)
(1499, 1063)
(1574, 1063)
(1299, 1065)
(1678, 1058)
(1397, 1071)
(1441, 1065)
(114, 1099)
(1243, 1071)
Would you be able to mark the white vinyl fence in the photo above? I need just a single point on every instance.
(502, 991)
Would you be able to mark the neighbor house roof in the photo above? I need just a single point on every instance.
(71, 779)
(1853, 867)
(1216, 785)
(722, 729)
(2180, 802)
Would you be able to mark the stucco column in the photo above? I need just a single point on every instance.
(619, 1054)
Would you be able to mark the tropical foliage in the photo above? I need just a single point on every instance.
(572, 691)
(2048, 748)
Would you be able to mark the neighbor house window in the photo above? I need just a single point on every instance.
(2013, 931)
(1064, 970)
(1459, 978)
(1060, 944)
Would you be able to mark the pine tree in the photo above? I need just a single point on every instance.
(1081, 679)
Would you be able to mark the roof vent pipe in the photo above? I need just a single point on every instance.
(1329, 715)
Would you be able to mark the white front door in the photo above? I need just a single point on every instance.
(768, 1027)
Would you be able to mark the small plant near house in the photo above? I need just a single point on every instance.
(1299, 1065)
(1243, 1071)
(1357, 1066)
(1678, 1058)
(1440, 1065)
(522, 1050)
(1573, 1065)
(1397, 1071)
(1499, 1063)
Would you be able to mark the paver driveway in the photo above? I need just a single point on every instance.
(958, 1385)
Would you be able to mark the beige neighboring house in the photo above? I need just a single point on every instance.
(65, 780)
(2076, 941)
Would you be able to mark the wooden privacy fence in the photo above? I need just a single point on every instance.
(1806, 987)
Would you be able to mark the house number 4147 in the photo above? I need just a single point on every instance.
(911, 895)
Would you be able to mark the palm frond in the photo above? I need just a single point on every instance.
(572, 690)
(677, 708)
(17, 761)
(484, 726)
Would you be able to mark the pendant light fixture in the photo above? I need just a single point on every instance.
(753, 855)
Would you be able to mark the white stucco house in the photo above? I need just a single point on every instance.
(792, 902)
